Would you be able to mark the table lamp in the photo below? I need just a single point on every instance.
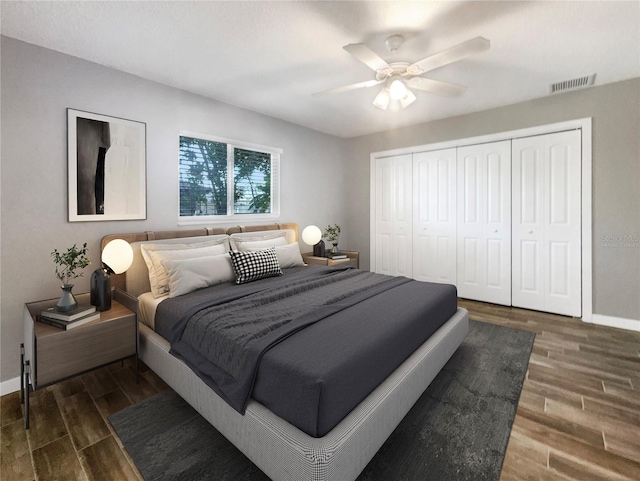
(117, 257)
(312, 236)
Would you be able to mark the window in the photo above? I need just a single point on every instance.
(222, 179)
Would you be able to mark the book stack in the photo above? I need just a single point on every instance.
(68, 320)
(335, 257)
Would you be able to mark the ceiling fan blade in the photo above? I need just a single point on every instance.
(453, 54)
(436, 87)
(367, 56)
(346, 88)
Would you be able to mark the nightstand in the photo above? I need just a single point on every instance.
(351, 260)
(50, 355)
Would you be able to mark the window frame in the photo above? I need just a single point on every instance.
(231, 216)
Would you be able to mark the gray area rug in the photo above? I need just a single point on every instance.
(457, 430)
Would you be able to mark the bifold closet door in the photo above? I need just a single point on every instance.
(434, 216)
(393, 222)
(546, 223)
(484, 222)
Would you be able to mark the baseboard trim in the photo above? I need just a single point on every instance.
(9, 386)
(619, 322)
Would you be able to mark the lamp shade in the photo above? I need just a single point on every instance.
(311, 235)
(382, 99)
(397, 89)
(408, 99)
(117, 256)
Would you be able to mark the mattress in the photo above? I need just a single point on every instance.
(317, 376)
(147, 305)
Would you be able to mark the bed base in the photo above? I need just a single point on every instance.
(282, 451)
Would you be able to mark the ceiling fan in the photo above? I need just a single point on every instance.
(397, 77)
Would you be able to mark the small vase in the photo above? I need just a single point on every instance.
(67, 302)
(334, 249)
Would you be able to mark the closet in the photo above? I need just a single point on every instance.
(434, 216)
(484, 222)
(546, 240)
(500, 220)
(393, 221)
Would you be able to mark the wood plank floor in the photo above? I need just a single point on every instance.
(578, 417)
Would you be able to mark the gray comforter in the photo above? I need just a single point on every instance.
(223, 338)
(263, 340)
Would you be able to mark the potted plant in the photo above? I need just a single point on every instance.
(68, 265)
(332, 234)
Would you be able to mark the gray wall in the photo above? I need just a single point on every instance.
(615, 109)
(38, 85)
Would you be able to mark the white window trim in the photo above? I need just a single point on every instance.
(275, 184)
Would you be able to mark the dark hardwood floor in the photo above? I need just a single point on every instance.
(578, 417)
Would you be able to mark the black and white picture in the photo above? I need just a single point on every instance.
(107, 167)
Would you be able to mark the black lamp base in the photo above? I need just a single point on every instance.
(100, 290)
(318, 249)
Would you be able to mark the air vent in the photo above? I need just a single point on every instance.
(576, 83)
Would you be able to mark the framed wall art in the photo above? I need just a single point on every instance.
(107, 167)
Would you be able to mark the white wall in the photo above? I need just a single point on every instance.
(38, 85)
(615, 109)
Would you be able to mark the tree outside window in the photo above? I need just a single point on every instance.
(222, 179)
(251, 182)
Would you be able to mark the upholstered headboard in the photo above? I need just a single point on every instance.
(138, 274)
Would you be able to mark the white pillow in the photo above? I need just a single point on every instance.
(288, 255)
(271, 239)
(248, 245)
(158, 256)
(188, 275)
(146, 248)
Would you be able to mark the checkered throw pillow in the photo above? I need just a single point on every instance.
(251, 266)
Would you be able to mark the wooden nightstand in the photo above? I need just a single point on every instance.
(50, 355)
(351, 260)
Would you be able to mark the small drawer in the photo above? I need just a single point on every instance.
(65, 353)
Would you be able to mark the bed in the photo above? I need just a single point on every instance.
(319, 435)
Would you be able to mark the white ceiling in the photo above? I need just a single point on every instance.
(270, 57)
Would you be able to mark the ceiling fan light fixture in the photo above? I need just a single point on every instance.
(397, 89)
(382, 99)
(408, 99)
(394, 42)
(398, 77)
